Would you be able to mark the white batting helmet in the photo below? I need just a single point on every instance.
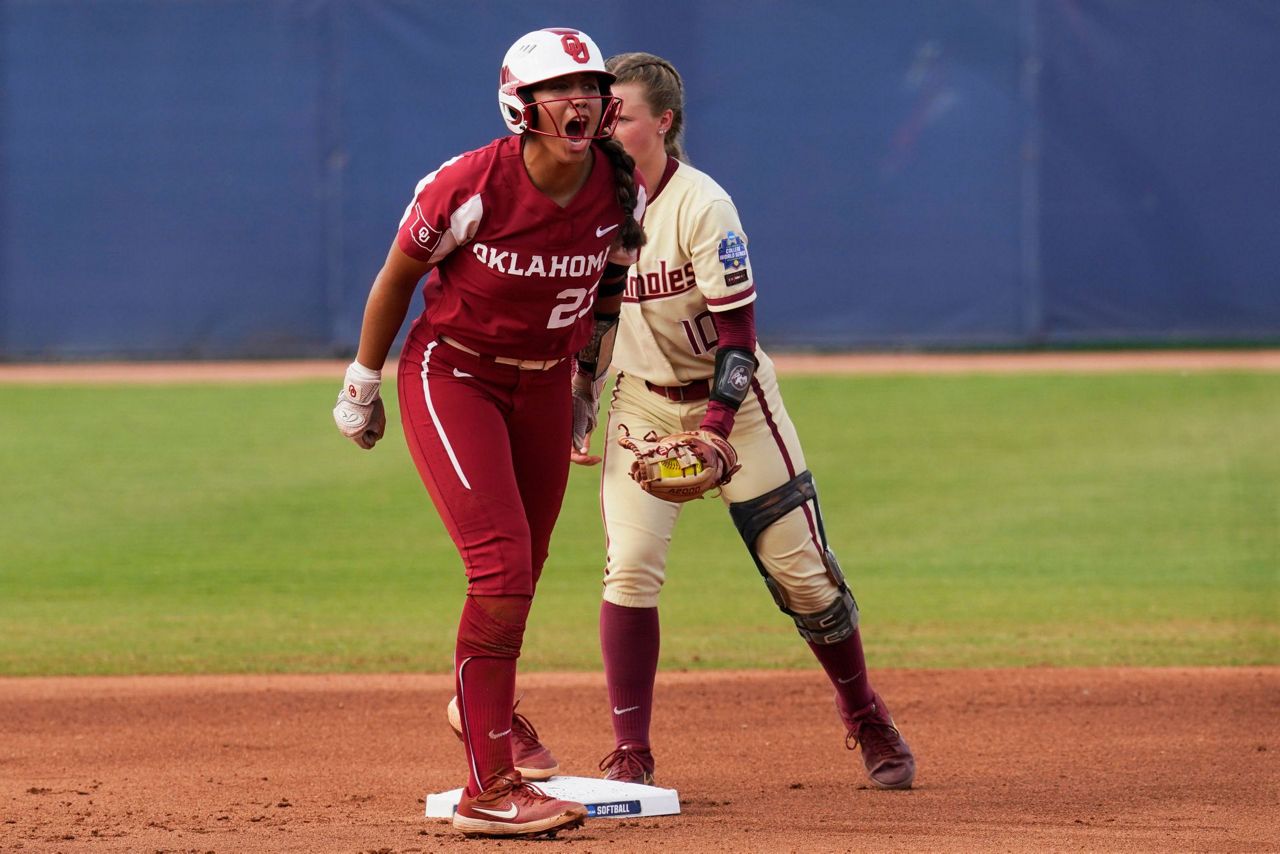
(545, 55)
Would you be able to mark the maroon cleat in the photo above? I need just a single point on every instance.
(629, 764)
(889, 761)
(512, 807)
(532, 759)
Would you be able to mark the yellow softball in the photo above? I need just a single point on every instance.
(668, 469)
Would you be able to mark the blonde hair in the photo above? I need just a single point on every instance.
(663, 89)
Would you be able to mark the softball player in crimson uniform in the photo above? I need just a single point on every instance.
(688, 360)
(529, 238)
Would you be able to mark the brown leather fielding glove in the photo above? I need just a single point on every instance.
(682, 466)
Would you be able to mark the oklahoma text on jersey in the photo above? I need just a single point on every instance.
(497, 241)
(508, 261)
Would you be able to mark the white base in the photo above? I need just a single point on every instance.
(602, 798)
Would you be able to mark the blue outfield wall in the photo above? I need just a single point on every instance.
(218, 178)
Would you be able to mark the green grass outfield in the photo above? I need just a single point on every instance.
(1129, 519)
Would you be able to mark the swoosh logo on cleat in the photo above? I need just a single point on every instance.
(496, 735)
(509, 812)
(850, 679)
(601, 232)
(618, 711)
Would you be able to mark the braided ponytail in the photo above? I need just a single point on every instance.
(631, 235)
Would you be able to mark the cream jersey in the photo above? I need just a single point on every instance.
(694, 263)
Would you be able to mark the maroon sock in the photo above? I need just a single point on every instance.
(847, 669)
(486, 691)
(485, 679)
(629, 641)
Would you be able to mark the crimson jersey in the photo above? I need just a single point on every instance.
(517, 272)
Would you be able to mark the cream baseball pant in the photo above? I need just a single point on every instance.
(639, 526)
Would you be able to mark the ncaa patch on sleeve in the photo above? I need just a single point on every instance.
(733, 252)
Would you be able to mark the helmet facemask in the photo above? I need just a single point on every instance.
(577, 126)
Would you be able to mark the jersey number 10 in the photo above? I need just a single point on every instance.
(701, 332)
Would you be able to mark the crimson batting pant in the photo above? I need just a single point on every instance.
(491, 443)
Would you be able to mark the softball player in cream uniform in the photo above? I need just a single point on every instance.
(687, 359)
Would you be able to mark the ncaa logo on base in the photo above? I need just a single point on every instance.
(615, 808)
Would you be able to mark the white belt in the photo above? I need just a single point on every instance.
(522, 364)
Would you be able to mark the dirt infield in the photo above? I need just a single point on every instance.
(848, 363)
(1010, 760)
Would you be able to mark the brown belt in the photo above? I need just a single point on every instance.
(522, 364)
(696, 390)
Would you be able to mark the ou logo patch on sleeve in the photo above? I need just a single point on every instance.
(733, 252)
(421, 233)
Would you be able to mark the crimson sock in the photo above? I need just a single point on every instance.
(485, 679)
(629, 641)
(486, 690)
(846, 667)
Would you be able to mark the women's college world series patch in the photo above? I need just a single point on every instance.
(733, 252)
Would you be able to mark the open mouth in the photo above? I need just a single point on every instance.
(575, 128)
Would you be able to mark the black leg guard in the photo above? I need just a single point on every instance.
(839, 620)
(832, 625)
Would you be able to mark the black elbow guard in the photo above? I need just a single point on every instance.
(613, 280)
(594, 358)
(735, 369)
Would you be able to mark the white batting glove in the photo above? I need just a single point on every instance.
(360, 415)
(586, 408)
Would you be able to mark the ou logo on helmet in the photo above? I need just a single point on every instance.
(576, 48)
